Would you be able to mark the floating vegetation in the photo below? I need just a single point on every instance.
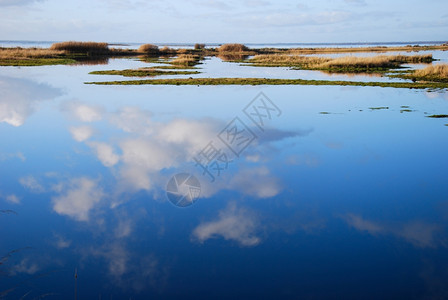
(408, 48)
(144, 72)
(345, 64)
(273, 81)
(324, 113)
(405, 110)
(438, 116)
(186, 60)
(379, 108)
(437, 73)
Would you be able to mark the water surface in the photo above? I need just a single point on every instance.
(341, 193)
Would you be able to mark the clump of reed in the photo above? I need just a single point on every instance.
(186, 60)
(374, 62)
(233, 48)
(346, 63)
(23, 53)
(168, 51)
(288, 60)
(199, 46)
(89, 48)
(431, 73)
(149, 49)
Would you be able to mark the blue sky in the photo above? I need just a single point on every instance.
(246, 21)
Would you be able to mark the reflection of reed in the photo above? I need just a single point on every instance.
(233, 57)
(8, 211)
(350, 74)
(91, 61)
(76, 283)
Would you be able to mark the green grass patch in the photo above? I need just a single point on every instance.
(37, 62)
(142, 72)
(438, 116)
(272, 81)
(379, 108)
(175, 67)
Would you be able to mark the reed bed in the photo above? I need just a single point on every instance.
(186, 60)
(347, 63)
(90, 48)
(433, 70)
(287, 60)
(149, 49)
(22, 53)
(233, 48)
(437, 73)
(408, 48)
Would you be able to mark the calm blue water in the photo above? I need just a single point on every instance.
(350, 204)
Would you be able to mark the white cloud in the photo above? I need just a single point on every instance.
(81, 133)
(143, 158)
(14, 199)
(133, 119)
(6, 156)
(24, 267)
(105, 153)
(233, 223)
(31, 183)
(363, 225)
(123, 229)
(420, 234)
(256, 182)
(83, 112)
(61, 242)
(78, 198)
(19, 98)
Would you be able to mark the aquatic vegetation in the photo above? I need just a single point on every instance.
(375, 63)
(167, 51)
(20, 53)
(438, 116)
(405, 110)
(144, 72)
(199, 46)
(89, 48)
(273, 81)
(32, 57)
(379, 108)
(284, 60)
(149, 49)
(186, 60)
(329, 50)
(233, 48)
(36, 62)
(430, 73)
(342, 64)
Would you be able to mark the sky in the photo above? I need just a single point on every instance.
(216, 21)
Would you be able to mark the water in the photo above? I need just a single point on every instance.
(330, 199)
